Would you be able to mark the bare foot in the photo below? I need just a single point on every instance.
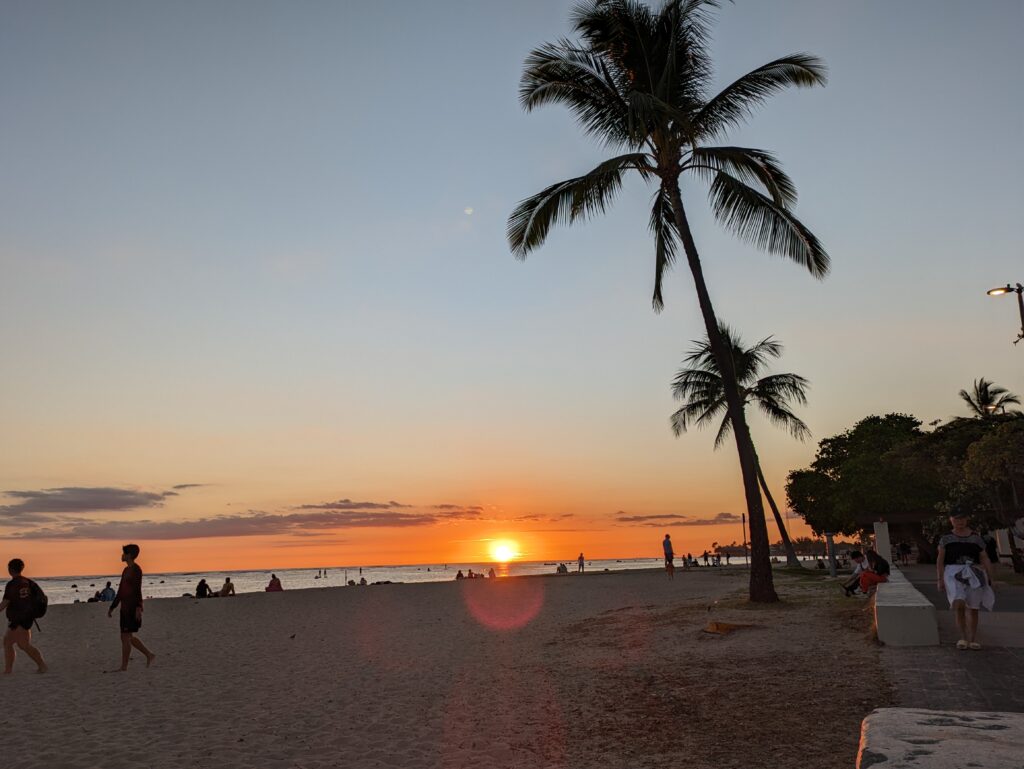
(149, 660)
(43, 669)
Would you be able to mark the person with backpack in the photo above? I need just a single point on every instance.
(129, 599)
(24, 601)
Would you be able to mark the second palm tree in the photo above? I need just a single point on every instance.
(702, 391)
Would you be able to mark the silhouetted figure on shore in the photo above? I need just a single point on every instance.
(21, 603)
(129, 599)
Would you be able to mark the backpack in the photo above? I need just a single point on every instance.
(39, 600)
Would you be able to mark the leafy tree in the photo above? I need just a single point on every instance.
(855, 476)
(987, 400)
(700, 388)
(639, 80)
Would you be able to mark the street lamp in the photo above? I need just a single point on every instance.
(1019, 291)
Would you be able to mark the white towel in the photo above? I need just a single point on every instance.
(968, 584)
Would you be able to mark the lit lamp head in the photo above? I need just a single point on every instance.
(1007, 289)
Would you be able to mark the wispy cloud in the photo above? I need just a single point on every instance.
(45, 505)
(674, 519)
(254, 523)
(348, 504)
(59, 514)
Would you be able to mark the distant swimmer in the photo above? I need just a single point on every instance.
(23, 602)
(129, 599)
(275, 585)
(228, 588)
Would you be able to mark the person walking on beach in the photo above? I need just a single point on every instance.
(581, 563)
(20, 602)
(964, 573)
(129, 599)
(670, 556)
(705, 556)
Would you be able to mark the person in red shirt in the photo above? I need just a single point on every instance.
(129, 599)
(17, 603)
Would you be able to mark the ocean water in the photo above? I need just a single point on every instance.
(173, 585)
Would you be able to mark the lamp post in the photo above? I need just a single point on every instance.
(1019, 291)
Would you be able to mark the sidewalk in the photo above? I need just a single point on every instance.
(990, 679)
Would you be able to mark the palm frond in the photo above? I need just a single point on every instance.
(567, 201)
(563, 73)
(736, 102)
(779, 414)
(750, 166)
(666, 241)
(759, 220)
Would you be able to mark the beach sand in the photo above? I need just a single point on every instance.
(605, 670)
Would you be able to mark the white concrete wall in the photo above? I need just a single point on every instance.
(903, 616)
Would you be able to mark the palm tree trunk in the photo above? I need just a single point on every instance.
(791, 559)
(762, 586)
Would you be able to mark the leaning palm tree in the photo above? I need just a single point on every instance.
(639, 80)
(987, 398)
(700, 388)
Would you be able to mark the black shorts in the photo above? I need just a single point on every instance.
(23, 623)
(131, 620)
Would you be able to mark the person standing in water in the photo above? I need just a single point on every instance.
(129, 599)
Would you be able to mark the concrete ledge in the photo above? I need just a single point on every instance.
(903, 616)
(912, 738)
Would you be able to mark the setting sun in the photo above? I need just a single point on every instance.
(504, 550)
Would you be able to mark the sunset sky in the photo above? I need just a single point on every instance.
(257, 308)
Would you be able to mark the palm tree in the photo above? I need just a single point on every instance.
(639, 80)
(700, 388)
(987, 398)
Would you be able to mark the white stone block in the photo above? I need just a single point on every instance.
(914, 738)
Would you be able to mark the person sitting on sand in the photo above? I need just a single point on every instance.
(129, 598)
(107, 593)
(203, 589)
(19, 602)
(275, 585)
(228, 588)
(362, 580)
(460, 575)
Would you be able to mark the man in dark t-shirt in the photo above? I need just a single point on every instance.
(129, 599)
(19, 607)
